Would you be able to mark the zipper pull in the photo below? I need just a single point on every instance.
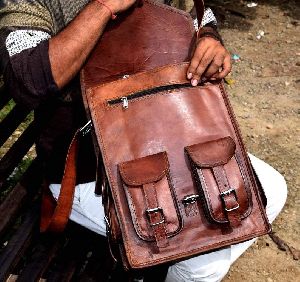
(125, 102)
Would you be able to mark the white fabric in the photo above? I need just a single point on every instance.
(20, 40)
(88, 211)
(208, 17)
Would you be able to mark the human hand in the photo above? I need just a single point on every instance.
(118, 6)
(210, 61)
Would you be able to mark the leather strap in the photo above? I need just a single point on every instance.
(155, 215)
(228, 196)
(199, 5)
(55, 215)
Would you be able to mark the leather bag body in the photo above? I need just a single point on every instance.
(179, 179)
(179, 176)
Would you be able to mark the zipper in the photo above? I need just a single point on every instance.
(126, 99)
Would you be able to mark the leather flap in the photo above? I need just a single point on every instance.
(144, 170)
(212, 153)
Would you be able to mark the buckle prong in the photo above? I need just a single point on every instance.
(226, 193)
(86, 128)
(156, 210)
(190, 199)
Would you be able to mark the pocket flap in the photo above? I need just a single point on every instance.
(212, 153)
(144, 170)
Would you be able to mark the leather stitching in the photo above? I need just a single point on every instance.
(237, 132)
(128, 179)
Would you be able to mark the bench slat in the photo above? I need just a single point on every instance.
(73, 257)
(17, 152)
(43, 253)
(11, 122)
(19, 242)
(14, 202)
(4, 97)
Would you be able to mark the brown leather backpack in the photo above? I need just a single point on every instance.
(179, 181)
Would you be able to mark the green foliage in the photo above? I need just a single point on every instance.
(15, 176)
(7, 109)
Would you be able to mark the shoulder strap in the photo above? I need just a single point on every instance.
(199, 5)
(54, 216)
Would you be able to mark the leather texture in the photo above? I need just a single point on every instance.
(179, 179)
(178, 172)
(141, 38)
(217, 167)
(55, 215)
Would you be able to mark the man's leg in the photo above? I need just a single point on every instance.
(215, 265)
(88, 211)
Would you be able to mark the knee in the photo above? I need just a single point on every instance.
(277, 198)
(212, 272)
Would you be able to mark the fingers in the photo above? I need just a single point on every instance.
(226, 68)
(197, 57)
(210, 61)
(204, 64)
(215, 66)
(205, 61)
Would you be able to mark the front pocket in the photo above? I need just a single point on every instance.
(151, 198)
(219, 175)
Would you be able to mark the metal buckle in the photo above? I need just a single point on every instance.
(226, 193)
(156, 210)
(190, 199)
(106, 221)
(86, 128)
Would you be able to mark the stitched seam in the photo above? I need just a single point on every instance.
(136, 223)
(113, 192)
(246, 183)
(210, 210)
(128, 179)
(174, 198)
(192, 154)
(206, 247)
(209, 164)
(154, 71)
(219, 184)
(237, 132)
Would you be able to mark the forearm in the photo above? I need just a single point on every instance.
(69, 49)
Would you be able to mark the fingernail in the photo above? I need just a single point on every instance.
(194, 82)
(190, 75)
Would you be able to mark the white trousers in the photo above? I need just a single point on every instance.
(88, 211)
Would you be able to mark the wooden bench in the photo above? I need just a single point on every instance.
(25, 254)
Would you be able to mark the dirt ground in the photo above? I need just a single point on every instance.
(265, 93)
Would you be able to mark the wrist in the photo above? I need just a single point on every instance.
(208, 31)
(108, 7)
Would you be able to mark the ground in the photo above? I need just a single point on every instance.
(265, 93)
